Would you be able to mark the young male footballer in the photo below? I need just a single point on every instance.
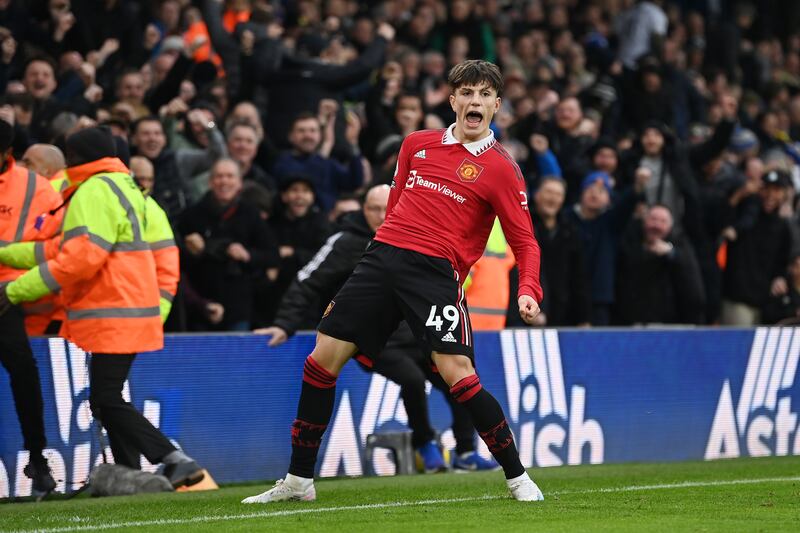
(448, 187)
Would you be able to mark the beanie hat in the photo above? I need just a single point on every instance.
(592, 178)
(122, 150)
(742, 140)
(88, 145)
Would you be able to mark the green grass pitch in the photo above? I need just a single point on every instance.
(732, 495)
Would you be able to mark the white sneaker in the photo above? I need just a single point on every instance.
(524, 489)
(283, 492)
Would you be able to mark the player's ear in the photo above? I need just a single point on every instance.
(453, 101)
(497, 102)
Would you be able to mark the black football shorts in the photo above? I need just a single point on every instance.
(390, 284)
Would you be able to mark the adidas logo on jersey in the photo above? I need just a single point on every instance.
(420, 154)
(448, 337)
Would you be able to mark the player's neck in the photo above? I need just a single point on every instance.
(463, 138)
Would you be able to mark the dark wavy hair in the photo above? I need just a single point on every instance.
(476, 72)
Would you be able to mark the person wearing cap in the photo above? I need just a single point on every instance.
(226, 246)
(758, 247)
(25, 201)
(107, 277)
(600, 225)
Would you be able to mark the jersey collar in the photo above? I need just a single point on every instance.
(476, 148)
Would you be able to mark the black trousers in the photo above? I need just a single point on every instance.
(403, 362)
(17, 358)
(130, 434)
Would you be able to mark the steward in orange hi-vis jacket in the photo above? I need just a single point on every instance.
(107, 276)
(25, 199)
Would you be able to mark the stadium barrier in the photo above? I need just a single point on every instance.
(571, 396)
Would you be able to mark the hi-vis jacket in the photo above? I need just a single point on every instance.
(25, 202)
(488, 285)
(104, 267)
(157, 233)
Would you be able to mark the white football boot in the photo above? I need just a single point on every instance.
(524, 489)
(292, 488)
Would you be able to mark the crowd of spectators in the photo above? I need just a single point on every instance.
(660, 139)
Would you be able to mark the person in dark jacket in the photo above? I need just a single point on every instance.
(759, 245)
(300, 229)
(600, 225)
(570, 144)
(658, 278)
(174, 168)
(226, 246)
(297, 82)
(330, 176)
(401, 361)
(564, 279)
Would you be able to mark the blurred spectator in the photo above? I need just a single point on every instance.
(759, 244)
(658, 278)
(783, 307)
(300, 229)
(600, 225)
(39, 80)
(143, 173)
(564, 269)
(227, 246)
(44, 159)
(570, 143)
(309, 158)
(174, 169)
(297, 83)
(638, 30)
(243, 141)
(463, 23)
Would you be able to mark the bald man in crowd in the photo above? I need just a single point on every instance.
(44, 159)
(143, 172)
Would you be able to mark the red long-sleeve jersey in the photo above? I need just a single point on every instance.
(445, 196)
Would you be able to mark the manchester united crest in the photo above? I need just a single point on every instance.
(469, 171)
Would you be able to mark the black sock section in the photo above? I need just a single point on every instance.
(489, 420)
(314, 411)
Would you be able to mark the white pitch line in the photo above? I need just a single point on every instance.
(389, 505)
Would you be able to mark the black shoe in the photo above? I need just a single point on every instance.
(39, 472)
(184, 474)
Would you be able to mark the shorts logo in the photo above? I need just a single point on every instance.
(469, 171)
(328, 309)
(448, 337)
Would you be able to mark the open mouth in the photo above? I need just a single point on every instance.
(474, 118)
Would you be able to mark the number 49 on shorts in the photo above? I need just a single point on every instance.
(449, 312)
